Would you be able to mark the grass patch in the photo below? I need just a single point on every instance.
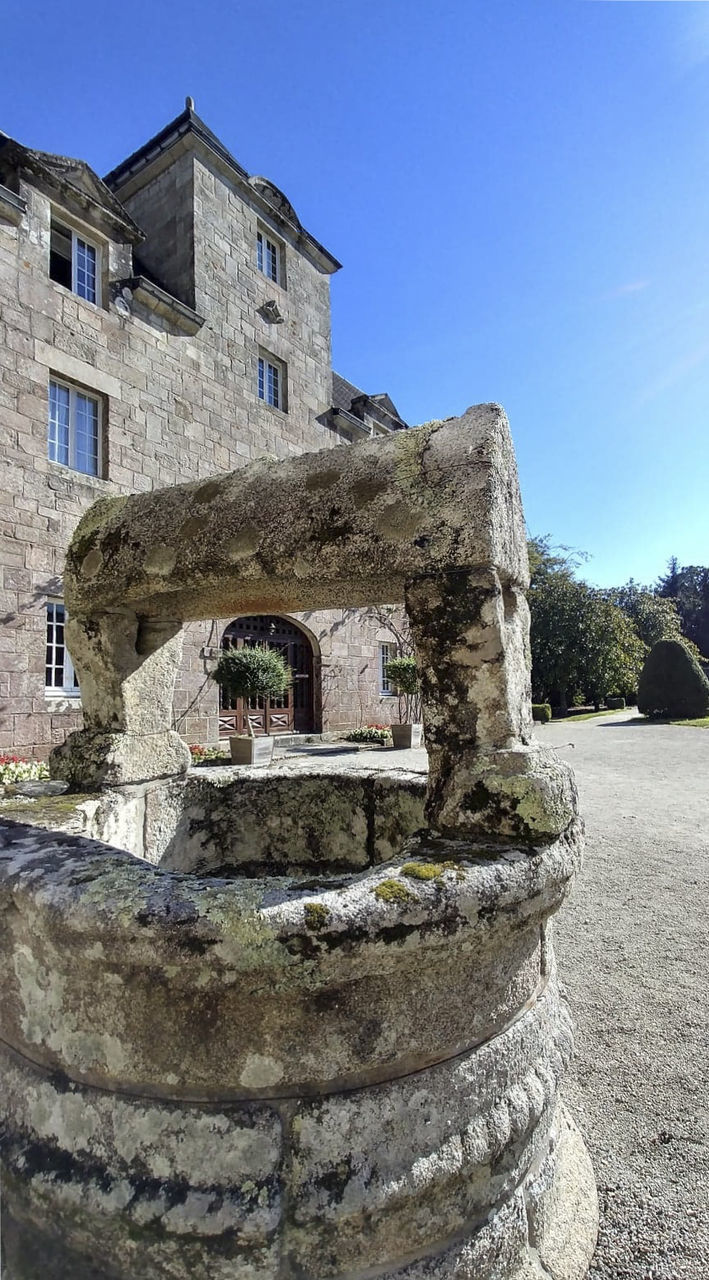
(590, 715)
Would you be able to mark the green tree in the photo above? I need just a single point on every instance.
(654, 617)
(582, 641)
(547, 560)
(404, 675)
(612, 652)
(688, 587)
(555, 606)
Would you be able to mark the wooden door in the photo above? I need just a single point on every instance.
(293, 713)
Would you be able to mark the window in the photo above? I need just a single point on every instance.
(73, 262)
(268, 257)
(387, 651)
(60, 677)
(272, 382)
(74, 436)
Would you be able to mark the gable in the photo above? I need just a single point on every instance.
(73, 180)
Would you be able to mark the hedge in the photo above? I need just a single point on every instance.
(541, 712)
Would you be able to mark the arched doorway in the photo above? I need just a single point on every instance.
(295, 711)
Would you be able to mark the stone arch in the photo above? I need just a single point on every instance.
(297, 711)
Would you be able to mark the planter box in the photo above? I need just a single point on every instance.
(405, 736)
(251, 751)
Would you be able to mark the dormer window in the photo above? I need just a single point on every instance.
(73, 262)
(268, 257)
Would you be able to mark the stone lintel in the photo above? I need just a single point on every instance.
(330, 529)
(77, 370)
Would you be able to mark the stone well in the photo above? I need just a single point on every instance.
(301, 1024)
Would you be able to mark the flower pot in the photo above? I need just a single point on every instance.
(405, 736)
(251, 751)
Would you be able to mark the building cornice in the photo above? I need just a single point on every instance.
(159, 301)
(12, 207)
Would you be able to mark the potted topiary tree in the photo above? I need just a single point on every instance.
(257, 672)
(404, 675)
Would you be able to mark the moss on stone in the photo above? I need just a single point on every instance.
(44, 811)
(430, 870)
(392, 891)
(316, 915)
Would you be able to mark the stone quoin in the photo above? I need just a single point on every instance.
(335, 1049)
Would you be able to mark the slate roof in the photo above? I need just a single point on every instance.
(344, 393)
(188, 122)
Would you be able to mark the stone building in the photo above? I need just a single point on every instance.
(160, 325)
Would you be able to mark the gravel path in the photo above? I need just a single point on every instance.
(633, 951)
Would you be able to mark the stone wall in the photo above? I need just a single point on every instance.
(165, 210)
(177, 407)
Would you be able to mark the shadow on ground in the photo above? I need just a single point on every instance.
(645, 720)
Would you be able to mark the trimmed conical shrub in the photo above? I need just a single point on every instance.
(672, 683)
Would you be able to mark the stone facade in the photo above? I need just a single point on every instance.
(171, 354)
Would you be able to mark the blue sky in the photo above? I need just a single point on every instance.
(518, 191)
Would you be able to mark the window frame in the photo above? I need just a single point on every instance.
(387, 650)
(264, 239)
(76, 237)
(266, 362)
(75, 390)
(69, 688)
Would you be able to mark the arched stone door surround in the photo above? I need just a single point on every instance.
(293, 713)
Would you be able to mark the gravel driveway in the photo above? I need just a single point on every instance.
(633, 951)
